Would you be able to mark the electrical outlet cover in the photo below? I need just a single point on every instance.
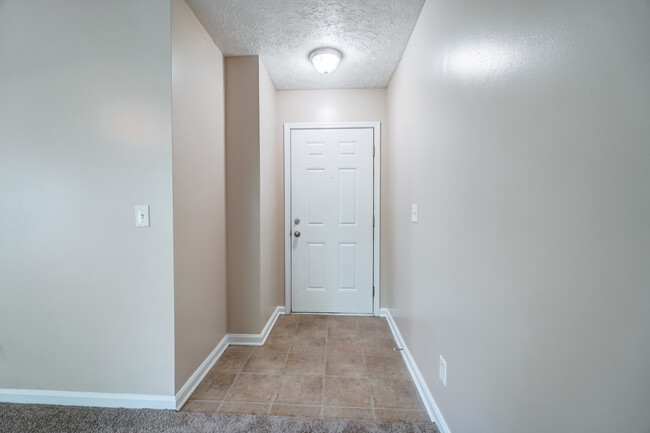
(142, 216)
(442, 372)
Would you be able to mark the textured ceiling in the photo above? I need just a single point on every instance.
(371, 34)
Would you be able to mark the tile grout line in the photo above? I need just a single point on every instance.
(400, 409)
(363, 355)
(318, 375)
(225, 397)
(322, 398)
(404, 409)
(282, 374)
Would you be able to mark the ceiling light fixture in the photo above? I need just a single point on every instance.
(325, 60)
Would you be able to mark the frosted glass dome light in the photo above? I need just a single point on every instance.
(325, 60)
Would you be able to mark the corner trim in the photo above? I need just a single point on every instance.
(429, 403)
(96, 399)
(193, 382)
(257, 339)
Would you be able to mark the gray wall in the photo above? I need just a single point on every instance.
(522, 133)
(199, 193)
(86, 298)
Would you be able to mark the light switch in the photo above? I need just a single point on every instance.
(414, 213)
(142, 216)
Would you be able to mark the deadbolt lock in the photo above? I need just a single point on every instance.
(296, 221)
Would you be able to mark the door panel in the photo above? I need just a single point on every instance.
(332, 197)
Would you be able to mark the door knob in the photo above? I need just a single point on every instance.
(297, 234)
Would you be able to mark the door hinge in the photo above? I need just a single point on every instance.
(373, 290)
(373, 150)
(373, 221)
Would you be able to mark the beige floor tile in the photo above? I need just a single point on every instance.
(342, 332)
(395, 393)
(401, 415)
(374, 329)
(313, 366)
(315, 329)
(239, 348)
(253, 388)
(300, 390)
(379, 345)
(342, 318)
(201, 406)
(283, 332)
(308, 343)
(348, 413)
(347, 391)
(293, 410)
(312, 318)
(345, 365)
(265, 362)
(371, 321)
(247, 408)
(345, 345)
(285, 326)
(288, 319)
(214, 386)
(312, 325)
(385, 366)
(276, 344)
(231, 362)
(342, 322)
(305, 364)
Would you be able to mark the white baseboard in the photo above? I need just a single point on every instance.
(186, 391)
(257, 339)
(96, 399)
(429, 403)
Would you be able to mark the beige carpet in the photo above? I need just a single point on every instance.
(19, 418)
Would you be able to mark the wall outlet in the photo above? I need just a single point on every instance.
(142, 216)
(442, 371)
(414, 213)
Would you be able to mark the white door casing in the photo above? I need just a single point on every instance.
(331, 211)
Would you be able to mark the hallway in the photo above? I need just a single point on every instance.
(148, 221)
(317, 367)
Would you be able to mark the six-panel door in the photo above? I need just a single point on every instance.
(332, 220)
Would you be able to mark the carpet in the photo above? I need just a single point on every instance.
(29, 418)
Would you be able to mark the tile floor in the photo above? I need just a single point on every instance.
(317, 367)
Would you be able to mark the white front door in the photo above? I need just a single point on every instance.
(332, 220)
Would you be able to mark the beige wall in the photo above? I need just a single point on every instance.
(243, 193)
(522, 134)
(341, 105)
(199, 193)
(254, 201)
(86, 298)
(271, 204)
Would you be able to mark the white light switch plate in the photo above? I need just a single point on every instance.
(142, 216)
(414, 213)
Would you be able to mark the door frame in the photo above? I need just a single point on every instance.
(375, 126)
